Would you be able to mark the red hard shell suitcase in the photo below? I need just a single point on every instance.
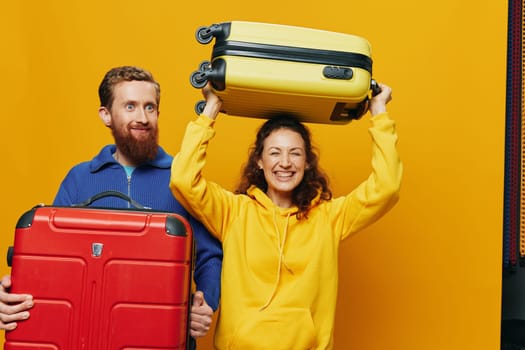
(263, 69)
(102, 279)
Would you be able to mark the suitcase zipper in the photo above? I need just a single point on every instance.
(290, 53)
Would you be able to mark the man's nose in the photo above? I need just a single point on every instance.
(142, 116)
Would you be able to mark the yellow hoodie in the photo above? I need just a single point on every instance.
(279, 275)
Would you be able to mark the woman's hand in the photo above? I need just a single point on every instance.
(213, 102)
(379, 101)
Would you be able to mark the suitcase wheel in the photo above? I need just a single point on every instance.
(205, 66)
(204, 35)
(198, 79)
(199, 107)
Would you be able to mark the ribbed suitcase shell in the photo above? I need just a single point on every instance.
(133, 295)
(262, 69)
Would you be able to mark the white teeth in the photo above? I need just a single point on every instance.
(284, 174)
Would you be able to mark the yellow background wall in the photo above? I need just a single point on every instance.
(425, 277)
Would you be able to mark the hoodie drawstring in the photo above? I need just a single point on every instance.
(282, 260)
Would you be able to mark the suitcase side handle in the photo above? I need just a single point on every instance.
(110, 194)
(374, 86)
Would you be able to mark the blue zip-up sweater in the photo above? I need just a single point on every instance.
(149, 186)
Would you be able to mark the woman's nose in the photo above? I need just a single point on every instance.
(284, 161)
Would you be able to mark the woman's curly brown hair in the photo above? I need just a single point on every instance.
(314, 181)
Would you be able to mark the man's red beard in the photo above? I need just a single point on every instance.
(137, 151)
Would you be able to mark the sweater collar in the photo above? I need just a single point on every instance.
(105, 158)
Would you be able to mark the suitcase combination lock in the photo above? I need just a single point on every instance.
(334, 72)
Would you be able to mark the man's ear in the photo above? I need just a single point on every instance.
(105, 115)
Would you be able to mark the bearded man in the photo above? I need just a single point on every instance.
(137, 166)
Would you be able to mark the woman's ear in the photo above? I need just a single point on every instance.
(105, 116)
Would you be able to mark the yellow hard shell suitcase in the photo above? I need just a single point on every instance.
(263, 69)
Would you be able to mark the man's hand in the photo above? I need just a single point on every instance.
(13, 307)
(201, 316)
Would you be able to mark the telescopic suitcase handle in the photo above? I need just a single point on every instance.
(110, 194)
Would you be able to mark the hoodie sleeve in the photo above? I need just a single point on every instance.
(206, 201)
(380, 191)
(207, 273)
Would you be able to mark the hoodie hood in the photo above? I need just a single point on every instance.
(265, 201)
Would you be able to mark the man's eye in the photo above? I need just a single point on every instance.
(150, 108)
(129, 107)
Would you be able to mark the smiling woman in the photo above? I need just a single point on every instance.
(283, 164)
(281, 229)
(277, 163)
